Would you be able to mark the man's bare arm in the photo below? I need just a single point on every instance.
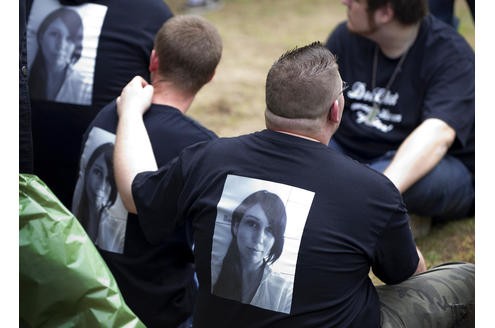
(421, 263)
(133, 152)
(420, 153)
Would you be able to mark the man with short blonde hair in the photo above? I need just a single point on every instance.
(157, 279)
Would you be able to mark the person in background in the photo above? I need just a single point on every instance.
(410, 105)
(156, 278)
(192, 6)
(345, 219)
(109, 54)
(445, 11)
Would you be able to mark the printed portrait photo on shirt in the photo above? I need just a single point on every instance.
(258, 231)
(62, 47)
(96, 203)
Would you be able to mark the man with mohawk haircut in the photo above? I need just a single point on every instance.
(338, 218)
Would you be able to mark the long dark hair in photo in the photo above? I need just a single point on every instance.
(230, 277)
(38, 70)
(86, 205)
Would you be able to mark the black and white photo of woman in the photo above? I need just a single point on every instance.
(257, 227)
(52, 75)
(99, 192)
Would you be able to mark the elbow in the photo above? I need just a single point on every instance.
(129, 205)
(127, 198)
(444, 134)
(448, 136)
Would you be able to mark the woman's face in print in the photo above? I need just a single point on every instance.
(97, 186)
(254, 235)
(57, 45)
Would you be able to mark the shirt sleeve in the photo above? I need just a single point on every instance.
(396, 258)
(450, 93)
(156, 197)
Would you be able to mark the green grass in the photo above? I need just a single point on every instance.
(450, 242)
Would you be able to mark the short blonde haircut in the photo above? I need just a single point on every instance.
(189, 49)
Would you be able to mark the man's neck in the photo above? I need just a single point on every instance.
(395, 39)
(165, 93)
(312, 138)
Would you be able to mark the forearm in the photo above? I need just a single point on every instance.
(420, 153)
(133, 154)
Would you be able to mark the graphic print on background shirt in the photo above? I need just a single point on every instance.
(96, 202)
(62, 47)
(258, 230)
(362, 105)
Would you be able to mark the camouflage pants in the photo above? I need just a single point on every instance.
(440, 297)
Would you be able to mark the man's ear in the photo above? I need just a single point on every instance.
(153, 67)
(384, 14)
(334, 112)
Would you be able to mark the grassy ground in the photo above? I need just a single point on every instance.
(255, 34)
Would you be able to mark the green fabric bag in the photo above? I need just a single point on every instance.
(63, 281)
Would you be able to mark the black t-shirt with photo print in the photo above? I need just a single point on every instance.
(118, 37)
(156, 279)
(342, 219)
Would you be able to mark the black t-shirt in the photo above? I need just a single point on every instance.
(114, 40)
(436, 81)
(156, 279)
(341, 219)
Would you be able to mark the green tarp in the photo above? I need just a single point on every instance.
(63, 281)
